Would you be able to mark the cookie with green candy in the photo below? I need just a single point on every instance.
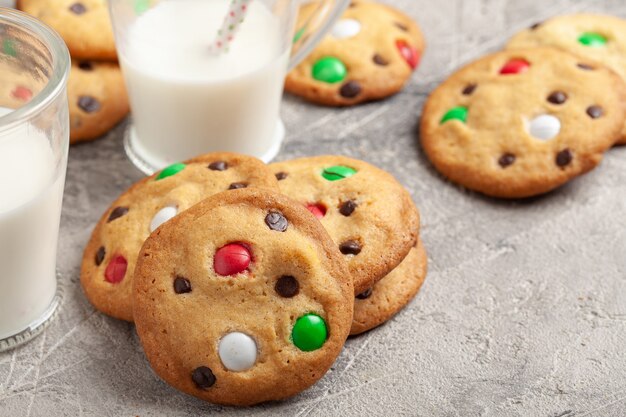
(369, 54)
(391, 294)
(366, 211)
(601, 38)
(242, 299)
(523, 122)
(110, 256)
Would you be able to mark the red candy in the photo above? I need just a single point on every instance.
(409, 53)
(22, 93)
(231, 259)
(116, 269)
(515, 66)
(318, 210)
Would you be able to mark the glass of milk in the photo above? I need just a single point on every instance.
(187, 100)
(34, 140)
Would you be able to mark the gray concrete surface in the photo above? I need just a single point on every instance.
(523, 312)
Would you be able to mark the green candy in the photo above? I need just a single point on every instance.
(592, 39)
(455, 113)
(309, 333)
(298, 35)
(338, 172)
(8, 47)
(170, 170)
(329, 70)
(141, 6)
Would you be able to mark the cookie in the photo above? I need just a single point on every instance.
(84, 25)
(369, 54)
(388, 296)
(366, 211)
(110, 256)
(592, 36)
(97, 99)
(242, 299)
(520, 123)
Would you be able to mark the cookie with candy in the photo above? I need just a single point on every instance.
(366, 211)
(601, 38)
(110, 256)
(387, 297)
(243, 298)
(369, 54)
(520, 123)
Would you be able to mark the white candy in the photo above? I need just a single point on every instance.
(162, 216)
(544, 127)
(237, 351)
(346, 28)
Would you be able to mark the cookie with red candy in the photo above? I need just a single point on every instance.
(597, 37)
(369, 54)
(523, 122)
(242, 299)
(110, 256)
(366, 211)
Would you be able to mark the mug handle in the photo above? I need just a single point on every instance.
(315, 26)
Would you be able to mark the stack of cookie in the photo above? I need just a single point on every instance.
(369, 54)
(96, 91)
(524, 121)
(244, 280)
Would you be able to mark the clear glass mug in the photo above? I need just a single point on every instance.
(34, 142)
(186, 99)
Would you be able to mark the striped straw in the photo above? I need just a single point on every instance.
(232, 21)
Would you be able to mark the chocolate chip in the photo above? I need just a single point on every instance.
(402, 26)
(557, 97)
(350, 247)
(365, 294)
(535, 25)
(116, 213)
(88, 104)
(281, 176)
(287, 286)
(182, 285)
(100, 255)
(237, 185)
(351, 89)
(506, 160)
(564, 157)
(85, 65)
(78, 8)
(379, 60)
(203, 377)
(595, 111)
(218, 166)
(586, 67)
(276, 221)
(469, 89)
(347, 207)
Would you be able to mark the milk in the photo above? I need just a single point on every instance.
(186, 101)
(31, 186)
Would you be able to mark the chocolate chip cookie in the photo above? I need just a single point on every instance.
(592, 36)
(388, 296)
(369, 54)
(519, 123)
(97, 99)
(110, 256)
(242, 299)
(366, 211)
(84, 25)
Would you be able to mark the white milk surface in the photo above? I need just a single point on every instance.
(186, 101)
(30, 210)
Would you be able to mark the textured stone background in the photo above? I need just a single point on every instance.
(523, 311)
